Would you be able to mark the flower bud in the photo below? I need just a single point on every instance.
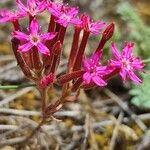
(20, 60)
(47, 80)
(108, 33)
(70, 76)
(56, 54)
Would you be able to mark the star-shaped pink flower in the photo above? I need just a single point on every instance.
(126, 62)
(34, 38)
(64, 14)
(33, 7)
(7, 16)
(90, 26)
(93, 70)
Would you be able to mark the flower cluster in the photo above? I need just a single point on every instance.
(39, 54)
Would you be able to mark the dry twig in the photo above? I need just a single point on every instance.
(125, 107)
(14, 96)
(115, 131)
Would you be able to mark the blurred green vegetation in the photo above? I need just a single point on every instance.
(139, 32)
(141, 94)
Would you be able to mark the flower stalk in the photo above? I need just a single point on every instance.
(79, 56)
(74, 48)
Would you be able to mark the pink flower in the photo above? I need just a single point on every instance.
(34, 38)
(93, 70)
(7, 16)
(54, 8)
(33, 7)
(90, 26)
(64, 15)
(126, 62)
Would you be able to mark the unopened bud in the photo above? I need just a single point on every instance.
(56, 54)
(25, 69)
(70, 76)
(108, 33)
(47, 80)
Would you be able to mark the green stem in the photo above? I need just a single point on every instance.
(8, 87)
(146, 60)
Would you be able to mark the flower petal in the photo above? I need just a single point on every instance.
(115, 52)
(73, 11)
(137, 64)
(25, 47)
(115, 63)
(4, 19)
(127, 50)
(96, 27)
(102, 70)
(54, 8)
(87, 78)
(31, 3)
(63, 22)
(86, 64)
(97, 80)
(21, 6)
(34, 27)
(20, 36)
(47, 36)
(41, 7)
(43, 49)
(123, 74)
(133, 77)
(96, 57)
(75, 21)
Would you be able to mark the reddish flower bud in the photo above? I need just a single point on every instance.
(108, 33)
(25, 69)
(56, 54)
(47, 80)
(79, 56)
(74, 49)
(70, 76)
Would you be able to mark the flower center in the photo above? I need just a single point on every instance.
(126, 64)
(34, 39)
(92, 69)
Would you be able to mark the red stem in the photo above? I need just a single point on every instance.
(16, 25)
(30, 19)
(61, 35)
(36, 59)
(74, 49)
(56, 54)
(79, 57)
(47, 60)
(77, 84)
(51, 26)
(43, 93)
(101, 44)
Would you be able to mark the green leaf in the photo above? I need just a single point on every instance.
(142, 93)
